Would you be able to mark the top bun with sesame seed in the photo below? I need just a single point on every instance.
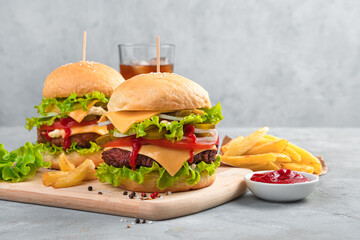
(81, 78)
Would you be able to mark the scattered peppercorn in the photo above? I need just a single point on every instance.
(100, 193)
(125, 193)
(131, 195)
(90, 188)
(143, 221)
(134, 193)
(143, 194)
(137, 220)
(128, 226)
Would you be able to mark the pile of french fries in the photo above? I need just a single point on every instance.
(260, 151)
(68, 175)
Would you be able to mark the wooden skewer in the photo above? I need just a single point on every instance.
(84, 46)
(157, 53)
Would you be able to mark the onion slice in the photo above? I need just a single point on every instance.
(198, 130)
(104, 123)
(213, 138)
(168, 117)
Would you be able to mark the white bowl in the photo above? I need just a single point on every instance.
(282, 192)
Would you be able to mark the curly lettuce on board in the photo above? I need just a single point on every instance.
(21, 163)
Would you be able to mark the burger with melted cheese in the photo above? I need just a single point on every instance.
(75, 96)
(162, 135)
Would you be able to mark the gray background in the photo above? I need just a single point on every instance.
(276, 62)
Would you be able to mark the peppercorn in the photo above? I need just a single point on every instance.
(131, 195)
(125, 193)
(100, 193)
(143, 194)
(143, 221)
(90, 188)
(134, 193)
(128, 226)
(137, 220)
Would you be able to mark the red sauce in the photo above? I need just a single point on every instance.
(282, 176)
(189, 132)
(67, 143)
(191, 151)
(136, 145)
(47, 135)
(64, 122)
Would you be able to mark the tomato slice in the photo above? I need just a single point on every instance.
(68, 123)
(121, 142)
(127, 141)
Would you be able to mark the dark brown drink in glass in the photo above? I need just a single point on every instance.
(137, 59)
(128, 71)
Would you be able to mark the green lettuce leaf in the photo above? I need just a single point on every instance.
(21, 163)
(65, 106)
(175, 128)
(114, 176)
(53, 149)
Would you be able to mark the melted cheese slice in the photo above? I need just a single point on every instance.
(123, 120)
(79, 114)
(171, 159)
(87, 129)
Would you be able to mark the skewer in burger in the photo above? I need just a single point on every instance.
(75, 96)
(162, 135)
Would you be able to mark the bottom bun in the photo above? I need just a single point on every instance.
(150, 184)
(73, 157)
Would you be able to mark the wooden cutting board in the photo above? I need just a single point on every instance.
(229, 185)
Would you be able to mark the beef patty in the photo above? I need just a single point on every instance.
(119, 158)
(82, 139)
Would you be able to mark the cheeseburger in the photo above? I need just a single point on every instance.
(162, 135)
(75, 96)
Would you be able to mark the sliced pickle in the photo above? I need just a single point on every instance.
(181, 113)
(105, 139)
(155, 134)
(204, 126)
(203, 135)
(90, 117)
(101, 104)
(150, 127)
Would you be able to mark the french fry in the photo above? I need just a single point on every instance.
(292, 154)
(280, 157)
(277, 146)
(240, 161)
(49, 178)
(75, 176)
(273, 166)
(91, 174)
(65, 164)
(257, 167)
(298, 167)
(306, 157)
(225, 147)
(239, 146)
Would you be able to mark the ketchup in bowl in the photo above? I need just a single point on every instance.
(282, 176)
